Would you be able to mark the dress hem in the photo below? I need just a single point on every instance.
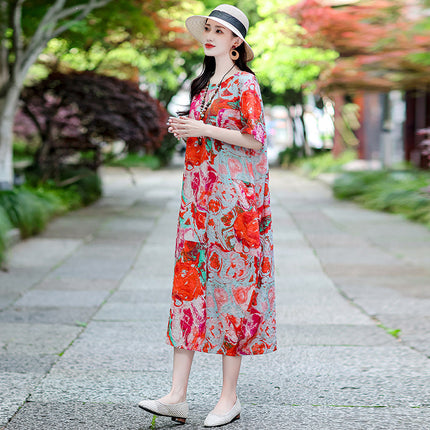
(266, 351)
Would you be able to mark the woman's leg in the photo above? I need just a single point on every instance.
(230, 374)
(182, 361)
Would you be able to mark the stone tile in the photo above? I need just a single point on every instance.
(333, 334)
(72, 284)
(125, 229)
(141, 279)
(37, 338)
(152, 295)
(47, 315)
(133, 312)
(62, 299)
(14, 390)
(18, 280)
(25, 363)
(76, 225)
(41, 252)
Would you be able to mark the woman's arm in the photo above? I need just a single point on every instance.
(184, 127)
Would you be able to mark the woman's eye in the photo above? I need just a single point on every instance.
(219, 31)
(206, 29)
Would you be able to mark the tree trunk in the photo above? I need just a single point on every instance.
(8, 105)
(338, 146)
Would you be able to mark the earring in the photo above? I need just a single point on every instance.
(234, 55)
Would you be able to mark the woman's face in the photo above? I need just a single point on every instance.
(218, 40)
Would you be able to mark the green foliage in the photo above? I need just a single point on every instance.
(403, 192)
(75, 187)
(290, 155)
(280, 63)
(136, 160)
(30, 207)
(27, 211)
(5, 226)
(23, 151)
(325, 163)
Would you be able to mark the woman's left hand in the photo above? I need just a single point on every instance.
(183, 127)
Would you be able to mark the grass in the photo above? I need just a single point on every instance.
(404, 192)
(134, 160)
(5, 226)
(393, 332)
(31, 206)
(324, 163)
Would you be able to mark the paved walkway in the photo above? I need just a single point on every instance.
(84, 314)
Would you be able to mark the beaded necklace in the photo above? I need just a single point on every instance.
(205, 104)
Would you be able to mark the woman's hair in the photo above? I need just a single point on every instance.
(209, 69)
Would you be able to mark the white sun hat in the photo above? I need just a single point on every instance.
(227, 15)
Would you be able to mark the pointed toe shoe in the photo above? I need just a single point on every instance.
(213, 420)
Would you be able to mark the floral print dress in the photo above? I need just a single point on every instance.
(223, 297)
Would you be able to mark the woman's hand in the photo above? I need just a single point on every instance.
(183, 127)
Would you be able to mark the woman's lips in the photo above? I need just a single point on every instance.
(209, 45)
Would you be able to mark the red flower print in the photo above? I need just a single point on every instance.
(186, 282)
(240, 295)
(265, 265)
(214, 206)
(221, 297)
(196, 152)
(246, 229)
(199, 218)
(186, 322)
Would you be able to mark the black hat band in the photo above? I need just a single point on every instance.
(231, 20)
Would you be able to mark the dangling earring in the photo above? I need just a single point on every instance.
(234, 55)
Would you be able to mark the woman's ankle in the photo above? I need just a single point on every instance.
(174, 397)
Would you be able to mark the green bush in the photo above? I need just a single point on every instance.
(28, 211)
(352, 184)
(85, 182)
(136, 160)
(5, 226)
(402, 192)
(30, 207)
(75, 186)
(324, 163)
(290, 155)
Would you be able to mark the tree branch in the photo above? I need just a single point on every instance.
(45, 25)
(74, 9)
(46, 29)
(86, 9)
(4, 51)
(17, 32)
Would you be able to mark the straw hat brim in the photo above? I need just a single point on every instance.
(196, 25)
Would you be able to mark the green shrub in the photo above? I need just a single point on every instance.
(75, 186)
(324, 163)
(400, 192)
(30, 207)
(26, 211)
(351, 184)
(85, 182)
(136, 160)
(290, 155)
(5, 226)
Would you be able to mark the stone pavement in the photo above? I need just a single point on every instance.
(84, 312)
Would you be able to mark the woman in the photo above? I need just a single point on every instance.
(223, 289)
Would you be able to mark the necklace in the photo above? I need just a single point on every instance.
(205, 104)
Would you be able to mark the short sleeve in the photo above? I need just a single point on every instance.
(251, 109)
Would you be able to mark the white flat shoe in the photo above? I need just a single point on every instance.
(213, 420)
(178, 411)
